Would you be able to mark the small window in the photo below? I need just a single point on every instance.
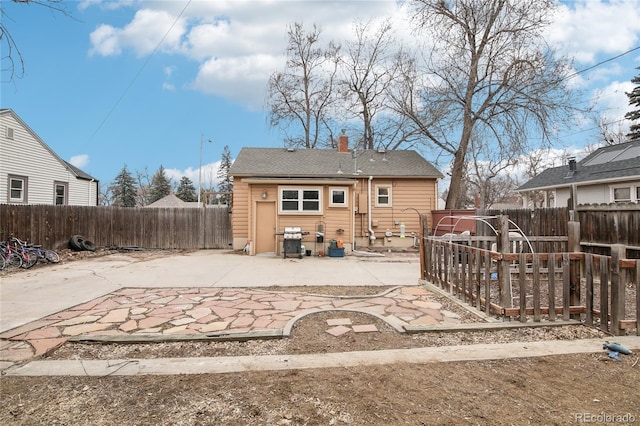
(622, 194)
(338, 197)
(60, 193)
(17, 189)
(383, 196)
(300, 200)
(9, 133)
(637, 194)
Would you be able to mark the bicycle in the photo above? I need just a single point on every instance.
(28, 258)
(44, 255)
(37, 253)
(9, 256)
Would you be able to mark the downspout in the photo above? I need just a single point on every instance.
(97, 192)
(353, 217)
(372, 235)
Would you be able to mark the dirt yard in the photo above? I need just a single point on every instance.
(543, 391)
(548, 390)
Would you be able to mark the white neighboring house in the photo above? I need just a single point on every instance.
(610, 174)
(31, 173)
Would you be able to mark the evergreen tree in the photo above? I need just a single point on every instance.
(186, 191)
(124, 189)
(634, 116)
(225, 181)
(160, 186)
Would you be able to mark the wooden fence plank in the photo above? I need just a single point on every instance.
(604, 294)
(588, 274)
(551, 266)
(536, 288)
(522, 279)
(566, 287)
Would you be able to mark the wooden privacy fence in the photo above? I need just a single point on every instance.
(486, 273)
(168, 228)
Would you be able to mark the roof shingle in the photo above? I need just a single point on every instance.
(283, 162)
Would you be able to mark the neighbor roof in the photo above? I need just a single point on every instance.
(609, 163)
(171, 200)
(286, 162)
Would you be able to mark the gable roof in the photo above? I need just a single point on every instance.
(286, 162)
(172, 200)
(74, 170)
(609, 163)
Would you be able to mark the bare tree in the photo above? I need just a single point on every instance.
(488, 69)
(144, 186)
(300, 97)
(488, 172)
(367, 73)
(12, 60)
(611, 132)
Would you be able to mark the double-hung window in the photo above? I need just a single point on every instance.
(383, 195)
(300, 200)
(338, 197)
(18, 189)
(60, 193)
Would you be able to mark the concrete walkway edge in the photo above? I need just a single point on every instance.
(217, 365)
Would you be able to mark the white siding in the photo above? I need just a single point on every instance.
(26, 156)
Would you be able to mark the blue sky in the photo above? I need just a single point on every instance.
(101, 91)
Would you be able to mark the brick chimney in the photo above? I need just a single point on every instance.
(343, 143)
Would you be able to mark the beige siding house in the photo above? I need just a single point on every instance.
(31, 173)
(362, 198)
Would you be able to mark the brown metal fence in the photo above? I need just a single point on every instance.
(169, 228)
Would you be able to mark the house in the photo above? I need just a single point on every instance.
(610, 174)
(172, 201)
(31, 173)
(362, 198)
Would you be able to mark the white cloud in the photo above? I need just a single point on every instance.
(148, 30)
(79, 161)
(241, 79)
(209, 175)
(613, 103)
(238, 44)
(585, 28)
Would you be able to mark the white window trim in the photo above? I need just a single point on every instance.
(65, 185)
(633, 190)
(346, 197)
(377, 195)
(25, 187)
(300, 190)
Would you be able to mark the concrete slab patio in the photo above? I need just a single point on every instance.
(29, 295)
(200, 293)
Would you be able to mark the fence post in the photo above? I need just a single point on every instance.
(573, 246)
(421, 234)
(504, 275)
(618, 281)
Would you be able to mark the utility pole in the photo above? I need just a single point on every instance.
(200, 167)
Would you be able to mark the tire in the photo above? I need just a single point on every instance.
(29, 259)
(75, 242)
(51, 256)
(14, 260)
(2, 261)
(88, 245)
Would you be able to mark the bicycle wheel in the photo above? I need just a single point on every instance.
(29, 258)
(14, 259)
(51, 256)
(3, 263)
